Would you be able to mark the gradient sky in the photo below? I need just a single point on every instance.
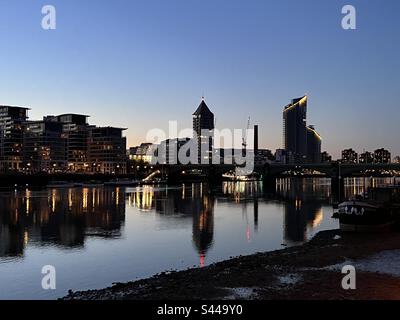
(138, 64)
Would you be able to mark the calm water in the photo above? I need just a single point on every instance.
(97, 236)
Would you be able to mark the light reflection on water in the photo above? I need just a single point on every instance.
(97, 236)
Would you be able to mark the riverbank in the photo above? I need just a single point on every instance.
(311, 271)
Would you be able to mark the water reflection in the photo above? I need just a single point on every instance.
(96, 236)
(304, 200)
(60, 217)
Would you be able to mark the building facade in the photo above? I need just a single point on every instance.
(203, 133)
(56, 144)
(76, 133)
(349, 156)
(314, 142)
(295, 130)
(366, 157)
(382, 156)
(44, 146)
(12, 121)
(107, 150)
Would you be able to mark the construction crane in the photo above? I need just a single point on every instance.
(244, 143)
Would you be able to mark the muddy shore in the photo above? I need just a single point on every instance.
(311, 271)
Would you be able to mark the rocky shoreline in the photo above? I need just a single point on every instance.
(311, 271)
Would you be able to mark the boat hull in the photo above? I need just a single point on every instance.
(361, 216)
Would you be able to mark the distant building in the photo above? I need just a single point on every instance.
(281, 156)
(326, 157)
(349, 156)
(314, 142)
(382, 156)
(76, 131)
(44, 146)
(12, 120)
(203, 130)
(144, 152)
(366, 157)
(107, 150)
(264, 156)
(168, 150)
(295, 130)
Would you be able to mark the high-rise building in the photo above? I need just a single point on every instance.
(382, 156)
(349, 156)
(366, 157)
(76, 131)
(295, 129)
(314, 141)
(203, 130)
(12, 120)
(44, 146)
(107, 150)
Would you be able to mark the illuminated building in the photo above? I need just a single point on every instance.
(366, 157)
(382, 156)
(314, 141)
(349, 156)
(107, 150)
(144, 152)
(11, 137)
(44, 146)
(168, 150)
(295, 130)
(76, 132)
(203, 126)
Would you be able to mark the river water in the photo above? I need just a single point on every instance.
(96, 236)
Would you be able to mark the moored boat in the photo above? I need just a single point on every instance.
(378, 210)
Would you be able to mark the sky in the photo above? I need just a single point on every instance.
(139, 64)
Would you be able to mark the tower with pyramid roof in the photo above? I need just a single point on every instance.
(203, 126)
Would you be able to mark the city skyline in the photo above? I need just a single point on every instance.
(124, 62)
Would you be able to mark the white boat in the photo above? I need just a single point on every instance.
(232, 176)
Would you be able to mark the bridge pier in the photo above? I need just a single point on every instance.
(337, 187)
(269, 183)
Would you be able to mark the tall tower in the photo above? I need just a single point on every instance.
(295, 130)
(203, 126)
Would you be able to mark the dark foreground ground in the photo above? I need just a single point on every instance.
(311, 271)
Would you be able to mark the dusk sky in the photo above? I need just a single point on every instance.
(139, 64)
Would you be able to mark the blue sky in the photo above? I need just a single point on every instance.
(138, 64)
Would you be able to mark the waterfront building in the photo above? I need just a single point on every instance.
(203, 131)
(314, 142)
(107, 150)
(349, 156)
(295, 130)
(382, 156)
(76, 133)
(366, 157)
(168, 150)
(144, 152)
(44, 146)
(12, 120)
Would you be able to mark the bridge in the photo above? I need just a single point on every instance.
(272, 170)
